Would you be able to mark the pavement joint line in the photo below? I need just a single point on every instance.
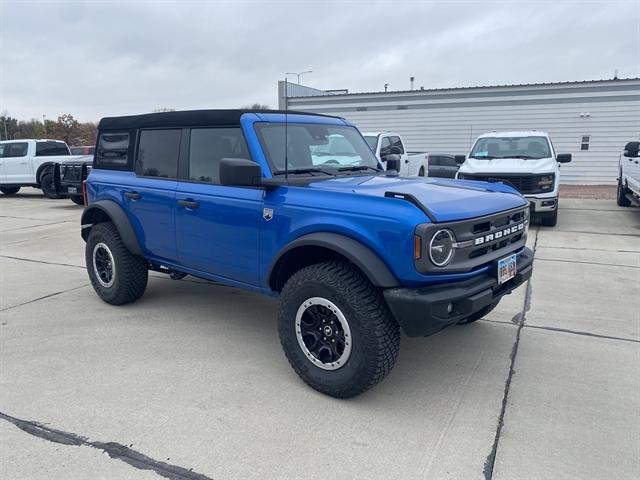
(35, 226)
(584, 262)
(40, 261)
(585, 334)
(596, 233)
(491, 458)
(44, 297)
(590, 249)
(590, 209)
(115, 450)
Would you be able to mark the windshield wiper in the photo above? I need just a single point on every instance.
(303, 170)
(357, 168)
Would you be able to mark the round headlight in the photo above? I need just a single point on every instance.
(441, 248)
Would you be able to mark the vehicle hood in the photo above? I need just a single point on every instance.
(509, 165)
(445, 200)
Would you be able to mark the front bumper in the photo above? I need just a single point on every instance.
(542, 204)
(424, 311)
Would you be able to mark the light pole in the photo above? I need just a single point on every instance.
(298, 74)
(44, 124)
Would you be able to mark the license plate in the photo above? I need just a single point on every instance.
(72, 190)
(506, 269)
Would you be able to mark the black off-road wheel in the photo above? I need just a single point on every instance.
(48, 186)
(77, 199)
(117, 275)
(9, 190)
(621, 194)
(336, 329)
(479, 314)
(550, 219)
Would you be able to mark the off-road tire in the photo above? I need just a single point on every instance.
(421, 172)
(621, 195)
(9, 190)
(479, 314)
(550, 219)
(131, 271)
(77, 199)
(48, 187)
(375, 333)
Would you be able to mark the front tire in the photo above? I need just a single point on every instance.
(117, 275)
(550, 219)
(621, 195)
(336, 329)
(9, 190)
(77, 199)
(48, 186)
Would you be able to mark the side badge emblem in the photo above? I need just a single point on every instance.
(267, 213)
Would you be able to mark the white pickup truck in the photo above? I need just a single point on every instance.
(629, 175)
(524, 160)
(412, 164)
(29, 163)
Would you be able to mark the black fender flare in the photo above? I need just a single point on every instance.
(117, 216)
(357, 253)
(42, 169)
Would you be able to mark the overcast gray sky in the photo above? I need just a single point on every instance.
(103, 58)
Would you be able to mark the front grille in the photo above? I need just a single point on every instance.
(522, 183)
(478, 241)
(71, 173)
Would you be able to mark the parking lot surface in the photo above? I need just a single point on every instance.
(190, 381)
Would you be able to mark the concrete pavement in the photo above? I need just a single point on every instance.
(190, 381)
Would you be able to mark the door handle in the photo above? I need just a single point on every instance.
(188, 203)
(132, 195)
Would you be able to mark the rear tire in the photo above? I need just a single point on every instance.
(479, 314)
(550, 219)
(357, 341)
(77, 199)
(621, 195)
(9, 190)
(48, 186)
(117, 275)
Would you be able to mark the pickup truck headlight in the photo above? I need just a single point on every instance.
(441, 247)
(545, 183)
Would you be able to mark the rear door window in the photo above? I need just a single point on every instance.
(13, 150)
(49, 149)
(158, 153)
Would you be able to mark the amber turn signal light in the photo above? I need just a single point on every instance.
(417, 247)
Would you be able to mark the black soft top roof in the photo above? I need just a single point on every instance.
(186, 118)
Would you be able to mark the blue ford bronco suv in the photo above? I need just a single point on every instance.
(296, 206)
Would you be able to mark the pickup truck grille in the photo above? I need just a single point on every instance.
(478, 241)
(522, 183)
(71, 173)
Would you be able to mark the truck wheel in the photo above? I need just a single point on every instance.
(621, 195)
(550, 219)
(48, 187)
(421, 172)
(336, 329)
(77, 199)
(479, 314)
(117, 275)
(9, 190)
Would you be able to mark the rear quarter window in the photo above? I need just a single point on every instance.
(50, 149)
(114, 150)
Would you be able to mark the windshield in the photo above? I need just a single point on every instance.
(315, 148)
(511, 147)
(372, 140)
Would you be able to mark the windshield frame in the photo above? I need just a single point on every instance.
(363, 152)
(474, 154)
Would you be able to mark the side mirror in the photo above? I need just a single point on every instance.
(239, 172)
(393, 165)
(563, 158)
(460, 159)
(631, 150)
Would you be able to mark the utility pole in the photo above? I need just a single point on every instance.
(44, 124)
(4, 118)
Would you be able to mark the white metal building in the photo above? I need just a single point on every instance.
(592, 120)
